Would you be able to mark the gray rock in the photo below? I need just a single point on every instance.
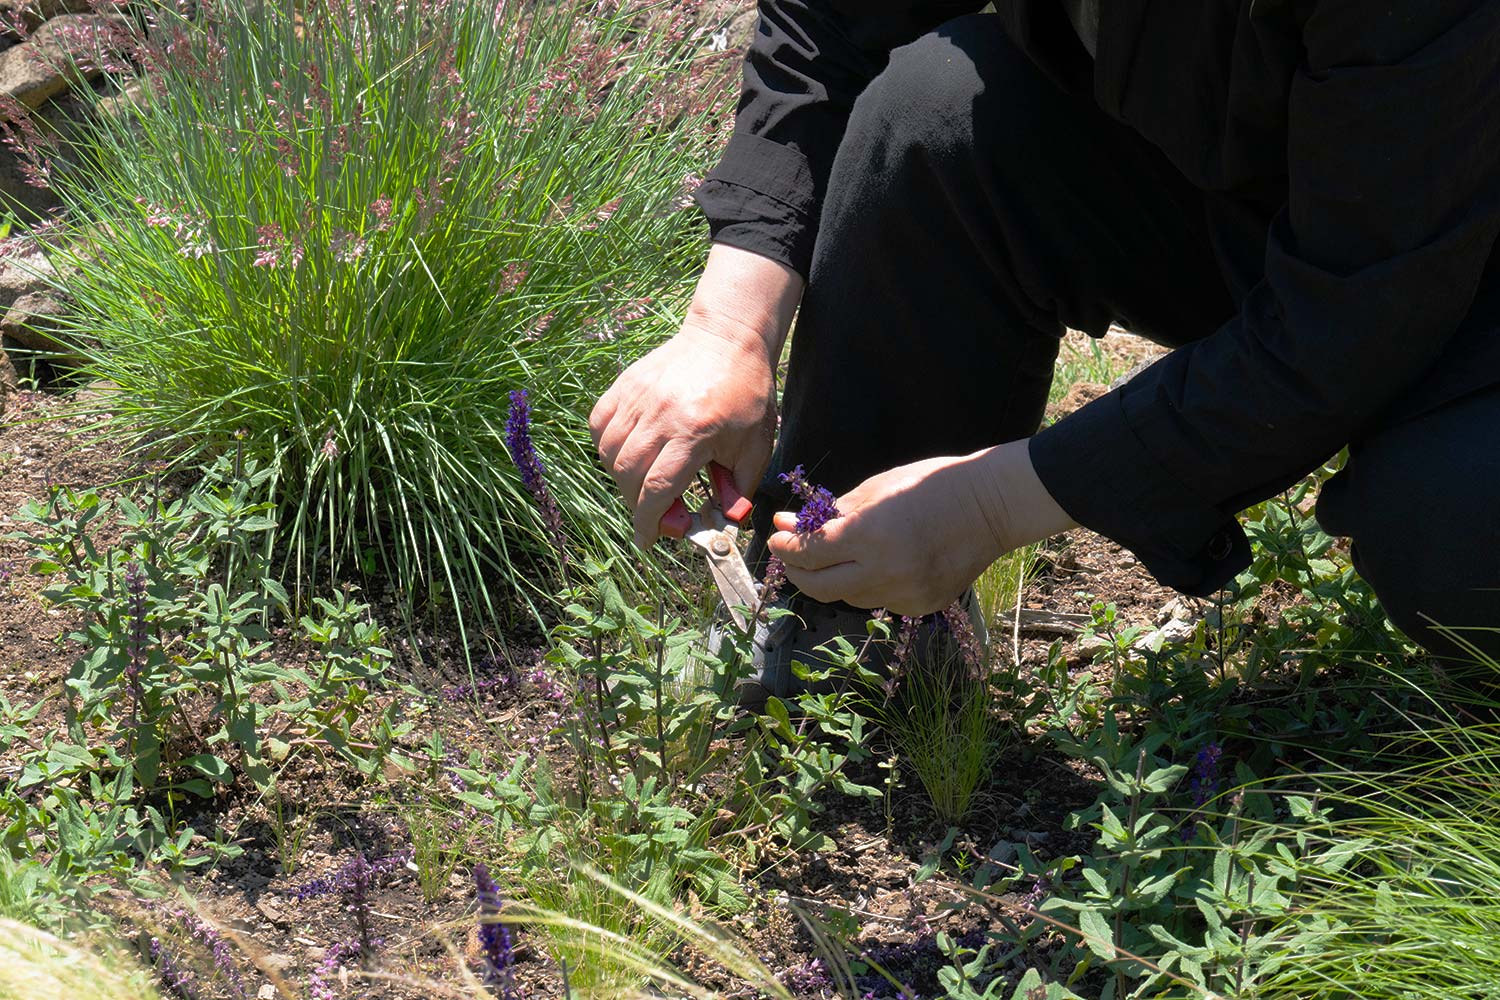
(1175, 631)
(1176, 610)
(36, 321)
(272, 912)
(728, 25)
(61, 52)
(122, 101)
(19, 18)
(1092, 645)
(56, 121)
(9, 379)
(23, 275)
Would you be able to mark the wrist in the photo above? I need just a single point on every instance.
(1015, 504)
(745, 301)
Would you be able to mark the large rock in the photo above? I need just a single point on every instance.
(123, 100)
(8, 379)
(23, 275)
(36, 321)
(19, 18)
(68, 49)
(58, 122)
(741, 27)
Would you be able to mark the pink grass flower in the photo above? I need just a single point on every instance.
(539, 328)
(274, 247)
(330, 447)
(381, 208)
(347, 247)
(511, 277)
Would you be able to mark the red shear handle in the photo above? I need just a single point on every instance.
(678, 520)
(736, 506)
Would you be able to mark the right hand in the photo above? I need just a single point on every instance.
(708, 394)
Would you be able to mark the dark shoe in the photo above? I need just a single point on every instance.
(796, 637)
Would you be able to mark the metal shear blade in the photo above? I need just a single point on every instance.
(716, 536)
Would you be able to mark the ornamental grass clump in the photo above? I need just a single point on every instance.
(36, 965)
(940, 709)
(1413, 909)
(337, 236)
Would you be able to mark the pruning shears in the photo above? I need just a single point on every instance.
(714, 528)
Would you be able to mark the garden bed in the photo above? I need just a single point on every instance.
(268, 899)
(342, 703)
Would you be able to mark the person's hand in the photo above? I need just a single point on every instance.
(911, 539)
(708, 394)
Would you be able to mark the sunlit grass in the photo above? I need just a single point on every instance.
(335, 241)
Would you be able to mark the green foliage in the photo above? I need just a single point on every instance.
(650, 728)
(999, 588)
(639, 744)
(1338, 619)
(176, 648)
(637, 710)
(1191, 870)
(339, 234)
(963, 979)
(1414, 915)
(175, 694)
(791, 760)
(1174, 894)
(635, 835)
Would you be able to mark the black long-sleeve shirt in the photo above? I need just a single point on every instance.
(1357, 142)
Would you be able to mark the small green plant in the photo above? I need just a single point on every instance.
(1082, 363)
(177, 672)
(999, 588)
(289, 829)
(791, 762)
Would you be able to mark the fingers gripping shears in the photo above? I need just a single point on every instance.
(714, 528)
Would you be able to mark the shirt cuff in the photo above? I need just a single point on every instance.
(1096, 467)
(762, 198)
(752, 221)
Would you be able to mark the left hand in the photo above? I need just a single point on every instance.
(910, 540)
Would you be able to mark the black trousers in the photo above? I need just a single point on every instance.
(974, 211)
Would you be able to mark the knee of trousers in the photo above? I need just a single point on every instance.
(1431, 596)
(928, 98)
(1429, 547)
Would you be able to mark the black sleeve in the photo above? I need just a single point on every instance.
(1371, 265)
(807, 63)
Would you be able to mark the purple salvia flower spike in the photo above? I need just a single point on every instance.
(819, 505)
(135, 652)
(320, 981)
(494, 936)
(175, 979)
(1204, 781)
(533, 473)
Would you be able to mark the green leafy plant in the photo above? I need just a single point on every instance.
(792, 761)
(176, 660)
